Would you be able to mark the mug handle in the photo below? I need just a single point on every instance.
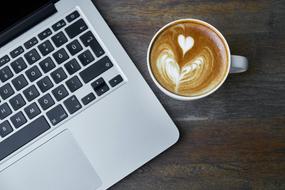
(239, 64)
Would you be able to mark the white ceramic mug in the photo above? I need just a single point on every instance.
(238, 64)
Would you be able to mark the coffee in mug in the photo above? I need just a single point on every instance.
(190, 59)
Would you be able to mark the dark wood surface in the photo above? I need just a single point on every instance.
(235, 138)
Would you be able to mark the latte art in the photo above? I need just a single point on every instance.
(186, 43)
(188, 59)
(193, 72)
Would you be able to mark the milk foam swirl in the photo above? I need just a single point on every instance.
(192, 74)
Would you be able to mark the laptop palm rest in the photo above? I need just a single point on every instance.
(58, 164)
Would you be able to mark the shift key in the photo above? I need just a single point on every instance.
(56, 115)
(23, 137)
(96, 69)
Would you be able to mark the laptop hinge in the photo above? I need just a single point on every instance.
(27, 23)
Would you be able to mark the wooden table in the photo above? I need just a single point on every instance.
(234, 139)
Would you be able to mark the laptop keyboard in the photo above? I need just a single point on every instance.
(40, 78)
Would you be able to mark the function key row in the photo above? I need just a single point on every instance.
(60, 24)
(32, 42)
(3, 60)
(16, 52)
(71, 17)
(43, 35)
(57, 26)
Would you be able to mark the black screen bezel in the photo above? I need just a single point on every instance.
(27, 15)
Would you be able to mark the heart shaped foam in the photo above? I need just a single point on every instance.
(171, 71)
(185, 43)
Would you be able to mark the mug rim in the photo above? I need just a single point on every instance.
(180, 97)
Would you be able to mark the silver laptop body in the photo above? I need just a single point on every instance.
(90, 146)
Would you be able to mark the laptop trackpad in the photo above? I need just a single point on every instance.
(58, 165)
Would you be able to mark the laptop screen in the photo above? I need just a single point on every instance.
(16, 10)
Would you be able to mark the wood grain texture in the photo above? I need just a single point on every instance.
(235, 138)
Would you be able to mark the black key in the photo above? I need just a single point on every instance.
(20, 82)
(100, 86)
(60, 56)
(45, 84)
(45, 47)
(89, 40)
(96, 69)
(72, 104)
(60, 92)
(76, 28)
(18, 119)
(57, 114)
(32, 56)
(23, 136)
(31, 93)
(33, 73)
(46, 101)
(5, 129)
(116, 80)
(5, 111)
(59, 39)
(60, 24)
(19, 65)
(72, 66)
(6, 91)
(29, 44)
(102, 90)
(73, 84)
(32, 110)
(71, 17)
(98, 83)
(5, 74)
(87, 99)
(17, 102)
(58, 75)
(86, 57)
(3, 60)
(46, 33)
(74, 47)
(47, 65)
(16, 52)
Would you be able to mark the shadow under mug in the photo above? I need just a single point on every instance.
(237, 63)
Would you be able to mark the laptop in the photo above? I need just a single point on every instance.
(75, 113)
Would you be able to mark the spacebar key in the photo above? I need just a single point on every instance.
(23, 136)
(96, 69)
